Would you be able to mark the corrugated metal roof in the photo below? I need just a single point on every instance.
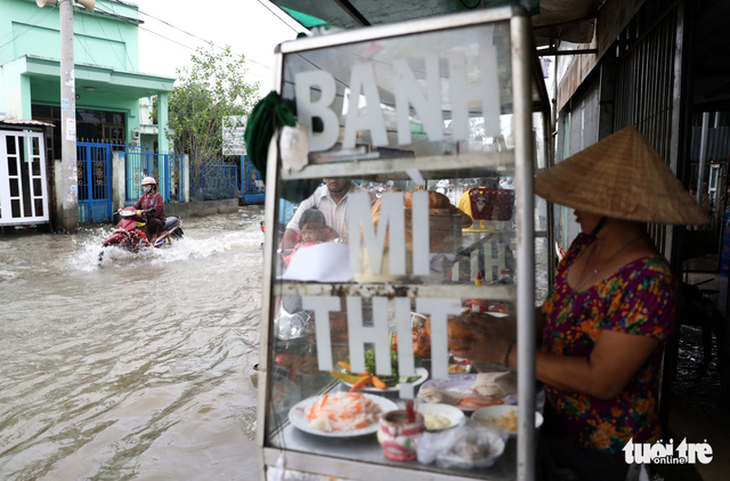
(25, 122)
(568, 20)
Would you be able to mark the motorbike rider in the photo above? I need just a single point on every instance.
(150, 204)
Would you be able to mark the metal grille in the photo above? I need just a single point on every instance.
(718, 139)
(647, 93)
(167, 169)
(583, 121)
(582, 126)
(216, 181)
(252, 186)
(93, 167)
(174, 186)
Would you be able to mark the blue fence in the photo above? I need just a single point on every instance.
(167, 169)
(93, 167)
(216, 181)
(174, 177)
(252, 184)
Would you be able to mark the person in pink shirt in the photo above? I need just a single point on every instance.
(314, 230)
(151, 205)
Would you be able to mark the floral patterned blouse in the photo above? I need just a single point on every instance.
(639, 299)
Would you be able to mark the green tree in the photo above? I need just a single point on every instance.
(212, 87)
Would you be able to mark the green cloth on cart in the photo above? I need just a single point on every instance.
(268, 114)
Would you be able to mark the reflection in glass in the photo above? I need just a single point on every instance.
(401, 229)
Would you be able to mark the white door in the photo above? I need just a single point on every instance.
(23, 186)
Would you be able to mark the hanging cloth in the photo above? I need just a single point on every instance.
(267, 115)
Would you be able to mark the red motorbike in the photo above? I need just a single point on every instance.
(130, 232)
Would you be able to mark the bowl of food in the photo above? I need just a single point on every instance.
(503, 416)
(440, 416)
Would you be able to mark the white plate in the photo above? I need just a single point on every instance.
(497, 411)
(462, 383)
(452, 413)
(298, 417)
(421, 372)
(455, 382)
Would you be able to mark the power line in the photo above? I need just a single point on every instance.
(248, 59)
(20, 34)
(199, 38)
(109, 41)
(126, 50)
(38, 10)
(277, 16)
(83, 40)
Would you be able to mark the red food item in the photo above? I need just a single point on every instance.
(473, 403)
(421, 343)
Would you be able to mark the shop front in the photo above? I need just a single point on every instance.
(420, 131)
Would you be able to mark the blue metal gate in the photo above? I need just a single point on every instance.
(215, 181)
(173, 183)
(252, 185)
(93, 163)
(167, 169)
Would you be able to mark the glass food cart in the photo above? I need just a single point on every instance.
(434, 129)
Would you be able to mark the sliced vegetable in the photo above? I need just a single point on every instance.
(388, 381)
(378, 383)
(364, 381)
(348, 378)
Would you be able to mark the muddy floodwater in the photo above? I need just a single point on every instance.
(138, 369)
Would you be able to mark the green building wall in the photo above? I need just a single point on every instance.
(106, 46)
(99, 38)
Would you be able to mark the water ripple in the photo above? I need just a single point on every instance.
(134, 370)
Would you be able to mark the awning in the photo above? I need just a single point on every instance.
(23, 124)
(566, 20)
(45, 72)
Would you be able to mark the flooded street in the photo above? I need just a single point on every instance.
(135, 370)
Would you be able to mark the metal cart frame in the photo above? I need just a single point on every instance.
(529, 95)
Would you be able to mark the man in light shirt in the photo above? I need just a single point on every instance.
(331, 200)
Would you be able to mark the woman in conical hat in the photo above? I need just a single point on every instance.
(611, 309)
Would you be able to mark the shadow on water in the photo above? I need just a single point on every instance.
(138, 369)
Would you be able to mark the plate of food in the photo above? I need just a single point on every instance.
(341, 414)
(503, 416)
(470, 392)
(378, 384)
(438, 417)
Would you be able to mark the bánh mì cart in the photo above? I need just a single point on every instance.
(402, 116)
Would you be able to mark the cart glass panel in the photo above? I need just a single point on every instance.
(397, 224)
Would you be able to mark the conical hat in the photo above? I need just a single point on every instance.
(622, 177)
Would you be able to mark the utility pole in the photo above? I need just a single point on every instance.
(70, 194)
(69, 182)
